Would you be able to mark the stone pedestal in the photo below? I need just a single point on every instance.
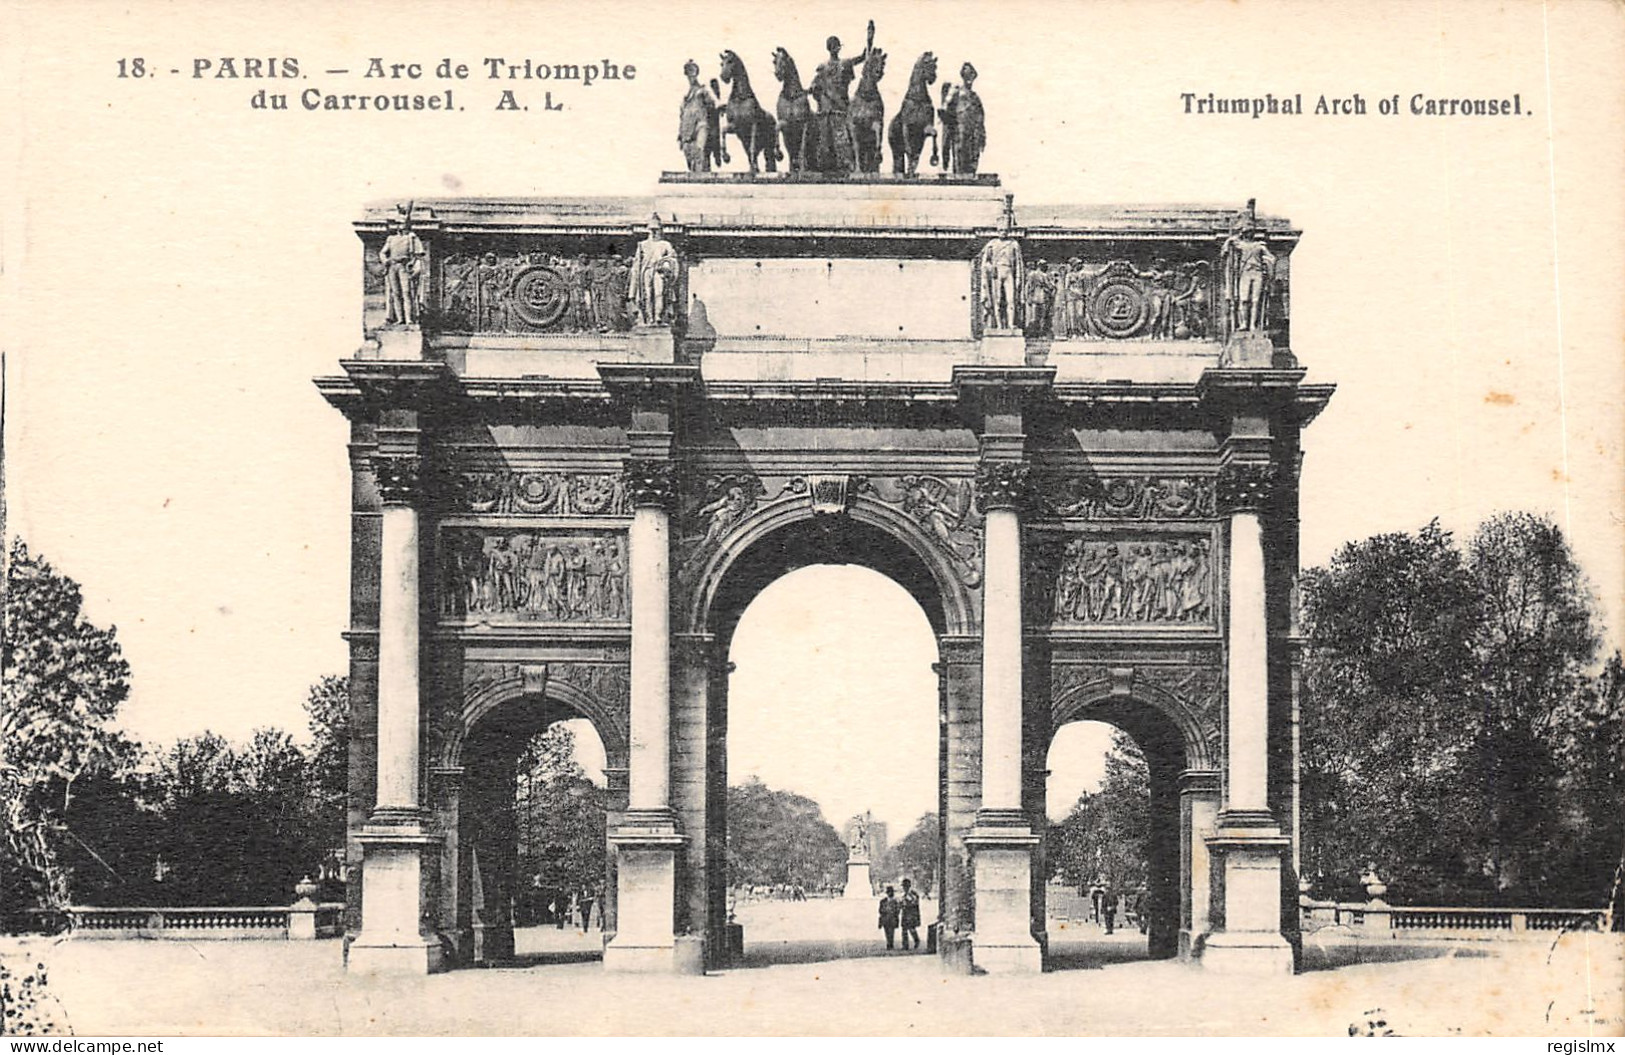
(1251, 942)
(1003, 942)
(1002, 347)
(1248, 351)
(646, 847)
(400, 342)
(858, 884)
(302, 920)
(652, 344)
(393, 939)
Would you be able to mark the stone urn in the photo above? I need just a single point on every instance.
(1375, 888)
(306, 889)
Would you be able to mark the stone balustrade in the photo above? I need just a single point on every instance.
(303, 920)
(1379, 920)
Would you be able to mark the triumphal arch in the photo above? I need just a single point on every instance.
(585, 433)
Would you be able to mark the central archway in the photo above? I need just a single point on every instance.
(778, 539)
(833, 760)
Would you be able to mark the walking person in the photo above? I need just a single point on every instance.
(889, 914)
(910, 915)
(1110, 909)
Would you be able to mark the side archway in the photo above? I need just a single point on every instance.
(477, 774)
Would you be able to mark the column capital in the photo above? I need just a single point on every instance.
(400, 478)
(1199, 782)
(1003, 485)
(1246, 487)
(649, 482)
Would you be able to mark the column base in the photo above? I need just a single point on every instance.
(1230, 952)
(393, 939)
(646, 845)
(1025, 958)
(423, 957)
(1001, 847)
(1251, 848)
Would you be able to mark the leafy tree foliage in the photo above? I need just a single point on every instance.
(64, 680)
(1450, 725)
(327, 708)
(240, 825)
(1106, 838)
(916, 855)
(561, 816)
(779, 837)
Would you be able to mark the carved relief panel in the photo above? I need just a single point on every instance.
(547, 576)
(535, 292)
(504, 492)
(1165, 579)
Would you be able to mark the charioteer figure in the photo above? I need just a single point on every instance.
(830, 89)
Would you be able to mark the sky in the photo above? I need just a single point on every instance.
(177, 266)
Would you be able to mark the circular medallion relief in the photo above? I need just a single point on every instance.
(540, 296)
(1119, 308)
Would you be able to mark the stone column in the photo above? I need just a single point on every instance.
(393, 937)
(1002, 842)
(646, 842)
(959, 690)
(1249, 839)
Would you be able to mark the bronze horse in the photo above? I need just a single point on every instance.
(744, 117)
(869, 113)
(915, 120)
(795, 115)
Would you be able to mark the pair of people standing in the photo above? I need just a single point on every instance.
(904, 912)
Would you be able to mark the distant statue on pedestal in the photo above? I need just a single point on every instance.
(859, 885)
(654, 277)
(859, 848)
(1003, 277)
(402, 255)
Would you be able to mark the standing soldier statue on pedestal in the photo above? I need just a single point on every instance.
(402, 256)
(654, 277)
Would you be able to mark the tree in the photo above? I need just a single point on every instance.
(1591, 842)
(1445, 729)
(239, 825)
(560, 814)
(779, 837)
(1106, 838)
(916, 855)
(64, 680)
(327, 708)
(1388, 709)
(1535, 641)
